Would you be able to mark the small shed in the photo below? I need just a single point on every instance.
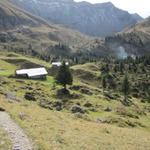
(58, 64)
(33, 73)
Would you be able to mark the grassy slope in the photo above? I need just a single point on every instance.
(5, 143)
(50, 129)
(62, 131)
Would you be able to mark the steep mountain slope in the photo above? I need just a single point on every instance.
(132, 41)
(92, 19)
(21, 31)
(12, 16)
(137, 17)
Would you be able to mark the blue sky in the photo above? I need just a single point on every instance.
(142, 7)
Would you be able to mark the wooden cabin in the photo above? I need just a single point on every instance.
(33, 73)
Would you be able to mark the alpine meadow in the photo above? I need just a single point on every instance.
(73, 76)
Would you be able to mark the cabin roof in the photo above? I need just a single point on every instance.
(59, 63)
(32, 72)
(56, 63)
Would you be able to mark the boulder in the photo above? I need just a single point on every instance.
(75, 96)
(86, 91)
(88, 105)
(108, 109)
(75, 87)
(58, 108)
(58, 105)
(62, 92)
(77, 109)
(109, 96)
(30, 96)
(2, 109)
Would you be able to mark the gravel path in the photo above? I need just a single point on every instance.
(19, 139)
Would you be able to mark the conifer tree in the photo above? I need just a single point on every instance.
(64, 76)
(126, 87)
(104, 83)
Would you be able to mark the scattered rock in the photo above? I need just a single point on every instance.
(78, 104)
(75, 96)
(30, 96)
(2, 109)
(58, 105)
(30, 88)
(93, 110)
(100, 120)
(88, 105)
(77, 109)
(86, 91)
(82, 116)
(108, 109)
(127, 103)
(11, 97)
(4, 82)
(62, 92)
(75, 87)
(58, 108)
(45, 105)
(109, 96)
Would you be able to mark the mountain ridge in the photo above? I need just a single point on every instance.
(90, 19)
(43, 39)
(35, 36)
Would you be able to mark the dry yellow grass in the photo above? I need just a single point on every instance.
(52, 130)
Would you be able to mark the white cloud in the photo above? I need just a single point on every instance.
(142, 7)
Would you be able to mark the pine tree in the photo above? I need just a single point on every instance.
(64, 76)
(104, 83)
(126, 87)
(121, 67)
(148, 92)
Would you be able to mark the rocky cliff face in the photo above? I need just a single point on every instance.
(92, 19)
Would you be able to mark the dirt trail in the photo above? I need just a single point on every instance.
(19, 139)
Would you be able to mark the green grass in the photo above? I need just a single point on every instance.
(90, 67)
(14, 56)
(5, 142)
(49, 81)
(6, 69)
